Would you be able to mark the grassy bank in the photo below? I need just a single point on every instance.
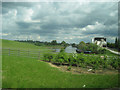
(23, 49)
(23, 46)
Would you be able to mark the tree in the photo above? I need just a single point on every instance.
(73, 45)
(54, 42)
(93, 47)
(63, 42)
(82, 46)
(82, 42)
(116, 42)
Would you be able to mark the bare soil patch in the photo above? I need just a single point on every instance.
(52, 65)
(80, 70)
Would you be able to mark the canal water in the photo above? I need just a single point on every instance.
(68, 49)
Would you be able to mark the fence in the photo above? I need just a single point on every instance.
(22, 53)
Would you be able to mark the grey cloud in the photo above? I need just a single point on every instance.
(60, 19)
(107, 31)
(16, 4)
(23, 24)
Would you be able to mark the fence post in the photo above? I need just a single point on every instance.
(38, 55)
(9, 51)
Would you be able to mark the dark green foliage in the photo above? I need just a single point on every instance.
(115, 45)
(63, 43)
(116, 42)
(62, 57)
(73, 59)
(91, 47)
(82, 46)
(74, 45)
(102, 51)
(62, 50)
(115, 62)
(110, 45)
(82, 60)
(41, 43)
(54, 42)
(48, 57)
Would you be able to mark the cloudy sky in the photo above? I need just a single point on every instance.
(69, 21)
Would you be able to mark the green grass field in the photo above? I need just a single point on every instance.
(23, 46)
(24, 49)
(19, 72)
(25, 72)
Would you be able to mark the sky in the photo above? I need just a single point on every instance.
(72, 22)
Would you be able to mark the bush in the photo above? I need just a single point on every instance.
(61, 57)
(115, 63)
(91, 47)
(93, 61)
(48, 57)
(62, 50)
(101, 51)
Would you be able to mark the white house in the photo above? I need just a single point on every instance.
(100, 41)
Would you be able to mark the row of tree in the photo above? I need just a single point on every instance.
(40, 43)
(115, 45)
(82, 45)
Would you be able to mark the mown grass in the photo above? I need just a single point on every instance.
(25, 72)
(24, 49)
(21, 72)
(23, 46)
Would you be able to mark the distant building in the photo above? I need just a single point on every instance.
(100, 41)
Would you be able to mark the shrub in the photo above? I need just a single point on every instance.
(83, 60)
(92, 47)
(62, 50)
(105, 65)
(101, 51)
(48, 57)
(62, 57)
(71, 59)
(115, 63)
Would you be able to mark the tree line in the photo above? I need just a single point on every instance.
(41, 43)
(115, 45)
(82, 45)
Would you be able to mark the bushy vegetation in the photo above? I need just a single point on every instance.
(85, 61)
(91, 47)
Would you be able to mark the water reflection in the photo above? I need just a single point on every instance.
(56, 50)
(68, 49)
